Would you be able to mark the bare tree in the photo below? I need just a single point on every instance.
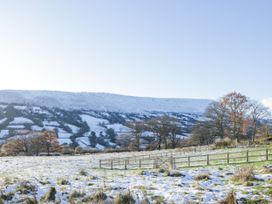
(257, 112)
(236, 105)
(218, 116)
(137, 128)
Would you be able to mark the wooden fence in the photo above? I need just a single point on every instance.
(192, 160)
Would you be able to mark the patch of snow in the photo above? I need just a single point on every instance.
(36, 128)
(16, 126)
(64, 141)
(74, 128)
(20, 107)
(4, 133)
(51, 123)
(99, 147)
(119, 128)
(21, 120)
(93, 123)
(3, 120)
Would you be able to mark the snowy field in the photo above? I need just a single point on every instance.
(76, 180)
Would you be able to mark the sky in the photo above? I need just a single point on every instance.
(180, 49)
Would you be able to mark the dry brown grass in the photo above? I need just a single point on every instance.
(244, 174)
(199, 177)
(230, 198)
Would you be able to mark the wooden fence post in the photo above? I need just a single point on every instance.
(208, 159)
(228, 158)
(140, 163)
(100, 164)
(126, 162)
(189, 161)
(266, 154)
(247, 158)
(111, 163)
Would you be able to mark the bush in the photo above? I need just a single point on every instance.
(222, 143)
(244, 174)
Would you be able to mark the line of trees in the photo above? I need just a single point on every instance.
(32, 143)
(234, 116)
(165, 130)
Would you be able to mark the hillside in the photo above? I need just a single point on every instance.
(74, 116)
(103, 102)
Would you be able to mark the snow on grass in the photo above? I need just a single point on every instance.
(21, 120)
(16, 126)
(94, 123)
(20, 107)
(51, 123)
(119, 128)
(36, 128)
(74, 128)
(4, 133)
(64, 135)
(3, 120)
(83, 141)
(45, 172)
(64, 141)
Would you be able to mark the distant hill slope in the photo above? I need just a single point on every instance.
(103, 102)
(76, 116)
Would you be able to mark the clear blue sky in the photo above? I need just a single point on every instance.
(183, 48)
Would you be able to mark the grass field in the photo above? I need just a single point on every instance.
(76, 179)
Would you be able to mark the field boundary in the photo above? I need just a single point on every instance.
(173, 160)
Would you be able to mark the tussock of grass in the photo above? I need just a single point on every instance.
(230, 198)
(244, 174)
(50, 196)
(25, 187)
(202, 177)
(83, 172)
(174, 173)
(63, 182)
(98, 197)
(126, 198)
(6, 197)
(158, 199)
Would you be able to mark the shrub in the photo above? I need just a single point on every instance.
(222, 143)
(126, 198)
(244, 174)
(230, 198)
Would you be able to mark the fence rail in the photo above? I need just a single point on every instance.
(191, 160)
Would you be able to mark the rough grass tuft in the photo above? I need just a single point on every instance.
(244, 174)
(50, 196)
(204, 176)
(126, 198)
(230, 198)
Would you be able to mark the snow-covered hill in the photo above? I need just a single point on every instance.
(103, 102)
(75, 117)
